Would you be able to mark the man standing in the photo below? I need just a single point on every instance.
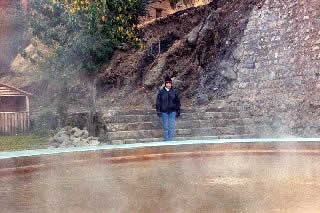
(168, 108)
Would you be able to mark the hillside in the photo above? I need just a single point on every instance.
(193, 42)
(259, 56)
(126, 66)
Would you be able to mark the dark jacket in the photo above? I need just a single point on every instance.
(168, 101)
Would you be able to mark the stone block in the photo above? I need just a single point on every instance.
(202, 99)
(93, 143)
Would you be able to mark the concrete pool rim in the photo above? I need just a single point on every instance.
(30, 160)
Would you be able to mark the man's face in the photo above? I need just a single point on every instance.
(168, 85)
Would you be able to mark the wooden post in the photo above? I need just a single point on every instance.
(1, 124)
(21, 121)
(28, 112)
(9, 124)
(12, 123)
(15, 122)
(5, 123)
(24, 121)
(19, 124)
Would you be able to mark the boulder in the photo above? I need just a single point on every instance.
(73, 137)
(83, 142)
(192, 37)
(178, 84)
(227, 69)
(60, 138)
(202, 99)
(75, 141)
(76, 132)
(154, 74)
(93, 143)
(85, 134)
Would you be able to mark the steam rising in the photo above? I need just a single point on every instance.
(11, 32)
(229, 183)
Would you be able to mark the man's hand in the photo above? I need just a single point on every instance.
(159, 114)
(178, 114)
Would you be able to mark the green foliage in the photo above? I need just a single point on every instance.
(85, 33)
(82, 36)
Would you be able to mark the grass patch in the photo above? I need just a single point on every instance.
(23, 142)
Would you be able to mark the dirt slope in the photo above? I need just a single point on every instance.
(194, 46)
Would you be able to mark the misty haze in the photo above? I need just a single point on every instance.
(159, 105)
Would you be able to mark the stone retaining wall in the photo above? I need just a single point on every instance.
(278, 67)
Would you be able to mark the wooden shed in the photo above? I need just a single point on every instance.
(14, 110)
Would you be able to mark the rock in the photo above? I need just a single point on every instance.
(179, 4)
(62, 133)
(207, 25)
(192, 37)
(249, 63)
(83, 143)
(75, 141)
(67, 129)
(202, 99)
(61, 138)
(93, 143)
(153, 75)
(238, 53)
(54, 144)
(52, 140)
(66, 143)
(178, 84)
(93, 138)
(73, 130)
(227, 69)
(73, 137)
(85, 134)
(77, 132)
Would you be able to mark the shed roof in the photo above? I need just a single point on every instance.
(6, 90)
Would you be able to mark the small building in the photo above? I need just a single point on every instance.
(14, 110)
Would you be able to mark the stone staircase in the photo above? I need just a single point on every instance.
(139, 126)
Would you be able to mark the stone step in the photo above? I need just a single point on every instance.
(184, 116)
(219, 106)
(159, 139)
(140, 112)
(180, 124)
(218, 120)
(221, 109)
(192, 132)
(183, 110)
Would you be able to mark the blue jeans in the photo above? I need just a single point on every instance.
(169, 125)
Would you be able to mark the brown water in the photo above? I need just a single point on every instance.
(248, 183)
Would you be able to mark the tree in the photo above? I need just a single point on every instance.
(83, 35)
